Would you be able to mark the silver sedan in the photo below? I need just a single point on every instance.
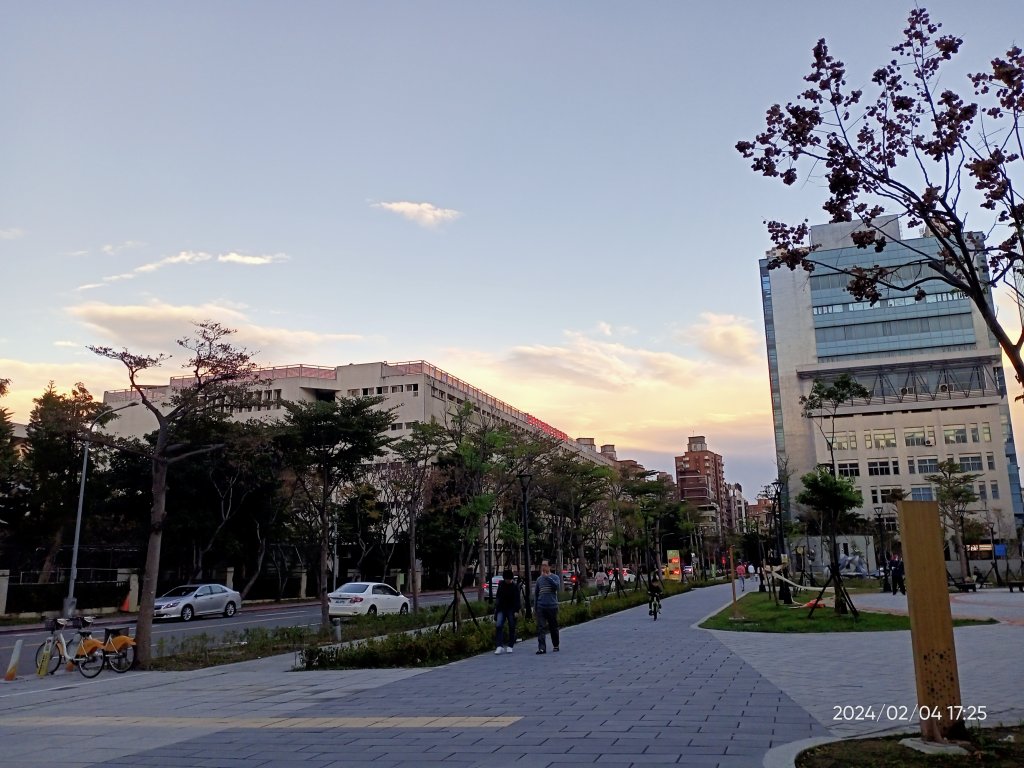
(192, 600)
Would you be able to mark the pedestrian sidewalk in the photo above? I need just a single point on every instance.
(623, 691)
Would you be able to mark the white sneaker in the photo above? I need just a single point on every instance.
(508, 649)
(499, 651)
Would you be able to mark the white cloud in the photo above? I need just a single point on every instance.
(111, 249)
(240, 258)
(183, 257)
(154, 327)
(728, 339)
(604, 328)
(11, 234)
(72, 344)
(89, 286)
(425, 214)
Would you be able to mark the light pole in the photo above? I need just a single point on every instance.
(69, 603)
(524, 482)
(886, 587)
(784, 594)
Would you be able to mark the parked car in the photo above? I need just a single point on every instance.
(366, 598)
(190, 600)
(569, 579)
(687, 570)
(492, 587)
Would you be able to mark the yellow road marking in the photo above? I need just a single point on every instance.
(265, 722)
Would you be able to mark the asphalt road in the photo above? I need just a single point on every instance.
(169, 633)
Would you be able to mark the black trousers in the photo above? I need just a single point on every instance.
(547, 621)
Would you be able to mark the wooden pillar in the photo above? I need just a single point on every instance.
(931, 622)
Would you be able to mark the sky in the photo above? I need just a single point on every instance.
(543, 199)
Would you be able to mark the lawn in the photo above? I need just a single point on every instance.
(757, 612)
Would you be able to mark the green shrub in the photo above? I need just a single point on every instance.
(430, 648)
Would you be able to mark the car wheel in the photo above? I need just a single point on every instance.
(187, 613)
(404, 609)
(229, 610)
(371, 611)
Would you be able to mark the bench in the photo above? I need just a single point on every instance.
(1018, 584)
(965, 586)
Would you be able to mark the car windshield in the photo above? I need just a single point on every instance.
(355, 587)
(181, 591)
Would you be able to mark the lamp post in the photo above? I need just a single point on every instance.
(784, 594)
(884, 568)
(524, 483)
(69, 603)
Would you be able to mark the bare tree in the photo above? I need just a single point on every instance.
(219, 374)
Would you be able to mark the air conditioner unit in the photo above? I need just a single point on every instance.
(928, 443)
(906, 390)
(944, 387)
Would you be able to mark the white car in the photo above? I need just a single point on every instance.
(366, 598)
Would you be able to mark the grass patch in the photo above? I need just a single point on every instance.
(988, 747)
(758, 613)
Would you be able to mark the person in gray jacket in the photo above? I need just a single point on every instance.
(545, 597)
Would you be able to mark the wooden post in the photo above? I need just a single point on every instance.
(931, 622)
(732, 582)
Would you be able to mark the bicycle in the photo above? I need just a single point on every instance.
(654, 604)
(117, 651)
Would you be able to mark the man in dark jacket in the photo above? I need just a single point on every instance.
(507, 603)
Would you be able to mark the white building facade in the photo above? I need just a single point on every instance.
(417, 391)
(932, 368)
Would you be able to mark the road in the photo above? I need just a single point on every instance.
(169, 634)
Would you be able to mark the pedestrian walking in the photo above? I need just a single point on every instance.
(601, 582)
(897, 573)
(741, 574)
(507, 604)
(545, 598)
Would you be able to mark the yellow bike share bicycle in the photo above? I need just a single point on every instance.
(117, 650)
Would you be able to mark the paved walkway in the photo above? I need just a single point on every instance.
(623, 691)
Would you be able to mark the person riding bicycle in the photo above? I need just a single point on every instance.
(655, 589)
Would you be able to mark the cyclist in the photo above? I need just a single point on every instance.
(654, 593)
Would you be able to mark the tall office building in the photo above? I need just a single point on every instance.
(932, 369)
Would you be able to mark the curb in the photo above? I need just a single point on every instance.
(784, 756)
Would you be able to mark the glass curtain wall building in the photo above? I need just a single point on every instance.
(932, 369)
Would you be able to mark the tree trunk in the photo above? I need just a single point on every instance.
(147, 596)
(261, 553)
(412, 563)
(51, 556)
(325, 548)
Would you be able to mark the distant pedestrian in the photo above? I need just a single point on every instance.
(507, 604)
(545, 597)
(897, 573)
(601, 582)
(741, 574)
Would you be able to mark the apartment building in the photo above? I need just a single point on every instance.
(700, 478)
(932, 369)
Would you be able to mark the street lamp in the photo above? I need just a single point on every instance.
(524, 482)
(784, 594)
(69, 603)
(886, 587)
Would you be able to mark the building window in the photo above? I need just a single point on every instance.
(396, 426)
(913, 436)
(845, 441)
(880, 438)
(367, 391)
(922, 493)
(353, 393)
(995, 489)
(382, 390)
(397, 388)
(975, 436)
(928, 465)
(884, 467)
(986, 432)
(970, 463)
(956, 433)
(991, 459)
(982, 492)
(849, 469)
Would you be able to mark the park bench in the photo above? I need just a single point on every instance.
(1018, 584)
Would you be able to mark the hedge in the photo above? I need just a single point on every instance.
(427, 648)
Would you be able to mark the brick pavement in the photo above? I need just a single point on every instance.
(623, 691)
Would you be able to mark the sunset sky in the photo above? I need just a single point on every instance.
(541, 198)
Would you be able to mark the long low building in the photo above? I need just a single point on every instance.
(418, 391)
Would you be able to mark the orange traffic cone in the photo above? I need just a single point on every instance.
(125, 606)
